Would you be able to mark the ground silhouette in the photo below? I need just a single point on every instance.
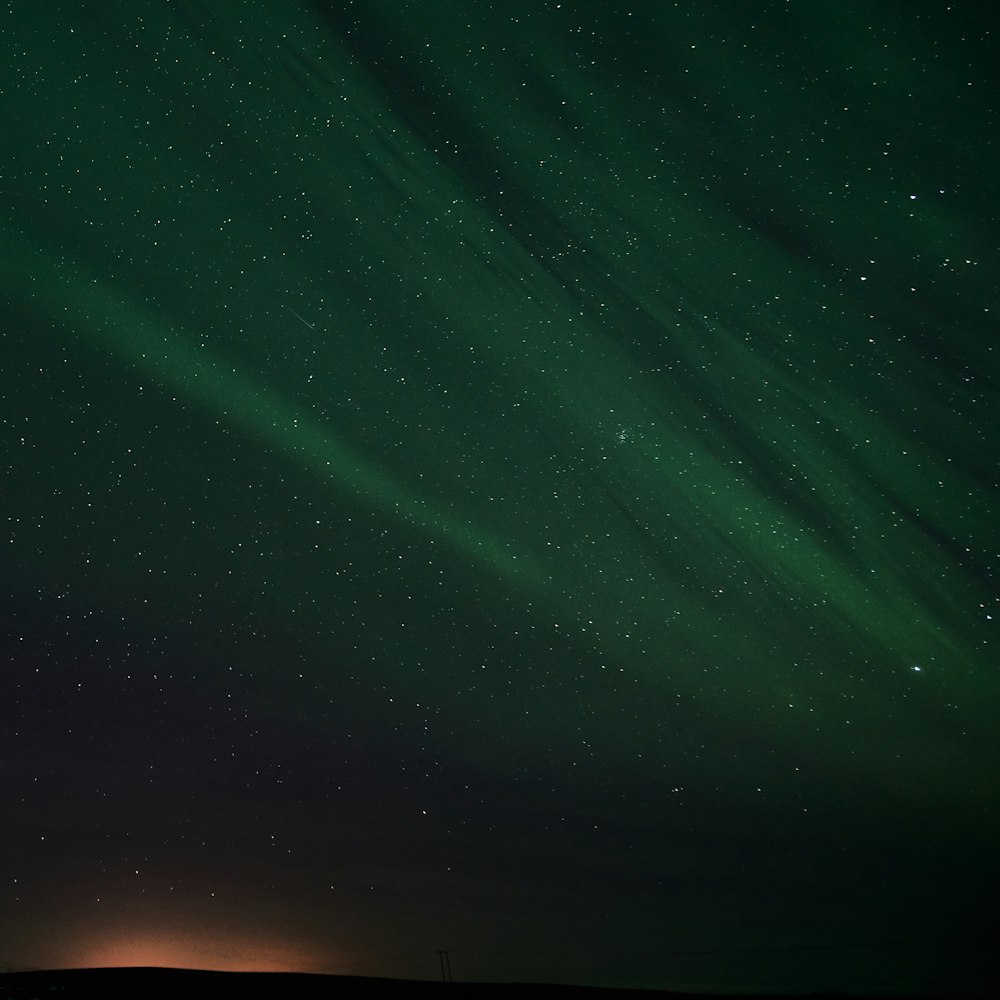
(153, 984)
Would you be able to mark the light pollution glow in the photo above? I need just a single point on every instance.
(126, 947)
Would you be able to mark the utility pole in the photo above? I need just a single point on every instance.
(444, 957)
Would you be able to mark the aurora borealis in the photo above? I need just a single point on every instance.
(510, 478)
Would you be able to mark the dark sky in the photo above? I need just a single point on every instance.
(516, 478)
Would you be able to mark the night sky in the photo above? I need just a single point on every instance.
(515, 478)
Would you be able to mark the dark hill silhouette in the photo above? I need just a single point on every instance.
(154, 983)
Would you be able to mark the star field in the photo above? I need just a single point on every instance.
(518, 479)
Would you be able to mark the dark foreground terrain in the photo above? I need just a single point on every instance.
(153, 984)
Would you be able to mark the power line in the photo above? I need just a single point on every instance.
(904, 942)
(444, 957)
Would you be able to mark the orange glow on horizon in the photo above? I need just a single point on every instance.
(192, 950)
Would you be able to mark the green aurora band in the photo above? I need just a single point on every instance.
(629, 396)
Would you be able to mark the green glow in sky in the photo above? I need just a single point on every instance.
(543, 449)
